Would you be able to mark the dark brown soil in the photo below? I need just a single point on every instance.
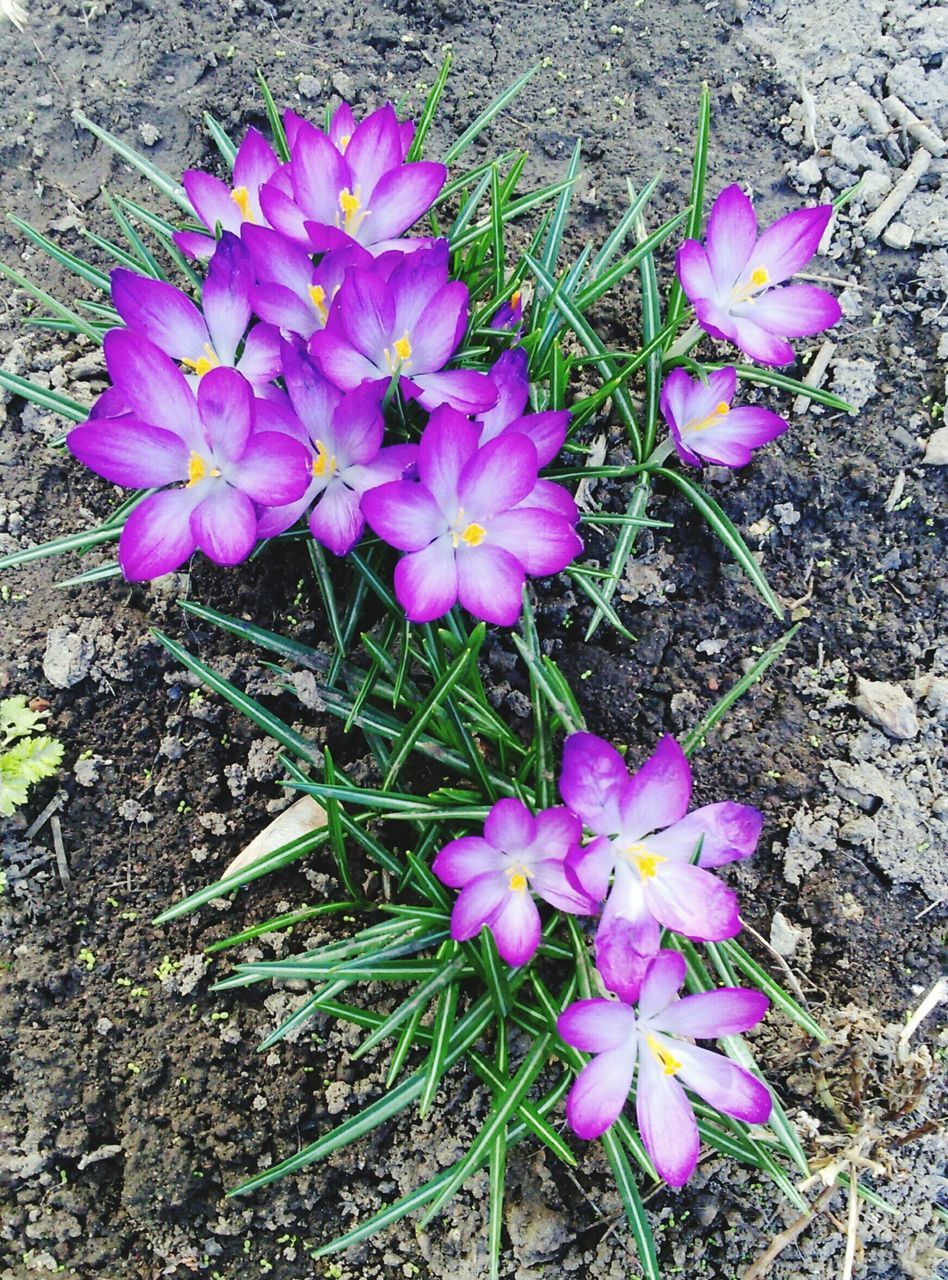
(133, 1097)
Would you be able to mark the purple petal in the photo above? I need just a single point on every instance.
(367, 313)
(357, 427)
(728, 831)
(426, 582)
(549, 881)
(390, 463)
(557, 830)
(723, 1084)
(280, 306)
(597, 1026)
(627, 903)
(466, 859)
(601, 1091)
(543, 543)
(152, 385)
(658, 793)
(260, 358)
(194, 244)
(406, 516)
(274, 520)
(516, 928)
(692, 902)
(341, 363)
(510, 826)
(497, 477)
(553, 499)
(336, 520)
(400, 199)
(283, 214)
(593, 777)
(509, 376)
(254, 162)
(590, 867)
(447, 445)
(685, 400)
(225, 403)
(157, 536)
(792, 310)
(711, 1014)
(490, 584)
(731, 440)
(374, 148)
(755, 342)
(319, 174)
(211, 200)
(666, 1121)
(731, 237)
(435, 335)
(224, 525)
(130, 453)
(161, 313)
(620, 966)
(273, 469)
(694, 271)
(341, 127)
(478, 903)
(462, 389)
(665, 974)
(545, 431)
(788, 245)
(225, 297)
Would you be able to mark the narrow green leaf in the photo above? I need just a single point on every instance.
(157, 177)
(437, 1057)
(337, 839)
(78, 266)
(221, 140)
(429, 110)
(416, 1004)
(624, 547)
(274, 118)
(651, 327)
(771, 378)
(487, 115)
(632, 1203)
(772, 989)
(302, 654)
(56, 546)
(59, 309)
(699, 167)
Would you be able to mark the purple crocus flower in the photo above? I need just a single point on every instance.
(290, 292)
(703, 425)
(208, 443)
(466, 535)
(360, 189)
(343, 431)
(206, 338)
(735, 280)
(217, 204)
(341, 128)
(518, 853)
(509, 315)
(408, 323)
(645, 844)
(660, 1040)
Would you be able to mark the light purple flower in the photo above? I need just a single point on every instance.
(660, 1040)
(208, 337)
(343, 431)
(467, 537)
(356, 187)
(341, 128)
(735, 280)
(291, 292)
(406, 321)
(704, 426)
(217, 204)
(518, 854)
(645, 843)
(209, 443)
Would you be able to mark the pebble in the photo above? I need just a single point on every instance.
(149, 134)
(874, 188)
(809, 172)
(310, 87)
(68, 657)
(888, 706)
(343, 84)
(936, 451)
(784, 936)
(897, 235)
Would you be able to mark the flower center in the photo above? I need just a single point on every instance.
(471, 534)
(643, 860)
(720, 410)
(402, 353)
(669, 1062)
(318, 297)
(204, 364)
(324, 464)
(353, 215)
(518, 879)
(198, 469)
(241, 198)
(758, 279)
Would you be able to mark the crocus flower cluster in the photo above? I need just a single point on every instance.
(646, 867)
(266, 402)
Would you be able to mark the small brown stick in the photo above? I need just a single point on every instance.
(47, 813)
(766, 1260)
(877, 223)
(923, 133)
(814, 375)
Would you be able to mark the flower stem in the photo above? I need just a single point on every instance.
(659, 454)
(689, 339)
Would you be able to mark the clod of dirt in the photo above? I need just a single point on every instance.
(68, 657)
(888, 706)
(936, 451)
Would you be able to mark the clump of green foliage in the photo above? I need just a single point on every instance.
(24, 758)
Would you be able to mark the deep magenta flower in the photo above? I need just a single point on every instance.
(208, 337)
(291, 292)
(509, 315)
(735, 280)
(343, 432)
(645, 845)
(354, 186)
(230, 207)
(167, 437)
(660, 1041)
(703, 425)
(466, 535)
(406, 320)
(518, 855)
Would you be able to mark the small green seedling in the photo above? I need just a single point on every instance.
(24, 759)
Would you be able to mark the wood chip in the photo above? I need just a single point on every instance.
(302, 817)
(61, 864)
(814, 376)
(923, 133)
(45, 816)
(878, 221)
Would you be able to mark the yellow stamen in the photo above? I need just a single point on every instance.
(721, 410)
(353, 214)
(204, 364)
(198, 469)
(645, 862)
(515, 299)
(324, 464)
(241, 198)
(518, 882)
(670, 1063)
(318, 295)
(474, 535)
(344, 142)
(402, 349)
(759, 277)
